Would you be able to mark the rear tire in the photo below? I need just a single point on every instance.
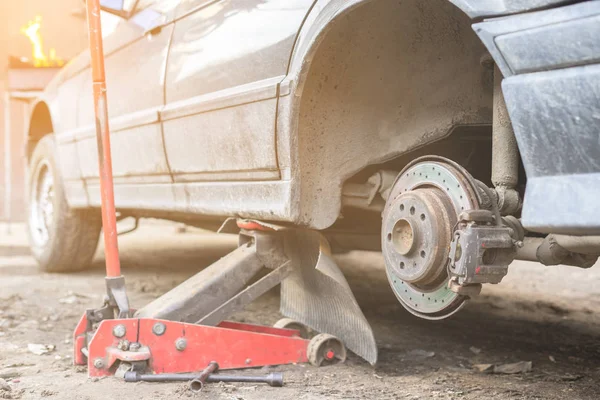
(61, 239)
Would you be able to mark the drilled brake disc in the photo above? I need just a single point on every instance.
(418, 222)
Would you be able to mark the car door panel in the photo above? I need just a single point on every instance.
(236, 139)
(135, 94)
(227, 58)
(65, 126)
(135, 66)
(137, 155)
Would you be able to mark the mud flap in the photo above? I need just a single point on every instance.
(317, 294)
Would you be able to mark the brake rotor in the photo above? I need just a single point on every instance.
(418, 222)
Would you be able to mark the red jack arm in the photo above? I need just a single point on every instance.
(109, 220)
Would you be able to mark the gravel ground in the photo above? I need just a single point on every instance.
(538, 314)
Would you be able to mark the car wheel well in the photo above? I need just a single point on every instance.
(40, 125)
(386, 78)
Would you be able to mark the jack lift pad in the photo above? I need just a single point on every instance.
(185, 329)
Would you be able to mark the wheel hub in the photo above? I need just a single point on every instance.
(420, 219)
(42, 204)
(418, 222)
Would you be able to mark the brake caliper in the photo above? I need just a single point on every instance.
(480, 252)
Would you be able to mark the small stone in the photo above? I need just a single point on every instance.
(9, 373)
(40, 349)
(418, 354)
(570, 377)
(47, 393)
(28, 325)
(4, 386)
(484, 368)
(475, 350)
(514, 368)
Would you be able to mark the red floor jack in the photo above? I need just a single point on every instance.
(185, 330)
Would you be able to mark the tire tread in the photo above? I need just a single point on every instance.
(76, 231)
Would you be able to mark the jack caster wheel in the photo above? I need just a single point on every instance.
(288, 323)
(326, 349)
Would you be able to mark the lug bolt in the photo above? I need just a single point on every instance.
(135, 346)
(119, 331)
(99, 363)
(181, 344)
(159, 328)
(123, 345)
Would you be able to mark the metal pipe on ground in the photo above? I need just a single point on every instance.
(274, 379)
(197, 384)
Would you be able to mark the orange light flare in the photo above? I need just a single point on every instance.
(40, 59)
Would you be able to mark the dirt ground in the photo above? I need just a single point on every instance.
(539, 314)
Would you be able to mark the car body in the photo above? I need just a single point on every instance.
(285, 111)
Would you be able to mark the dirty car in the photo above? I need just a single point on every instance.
(453, 136)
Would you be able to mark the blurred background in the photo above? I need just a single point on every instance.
(36, 38)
